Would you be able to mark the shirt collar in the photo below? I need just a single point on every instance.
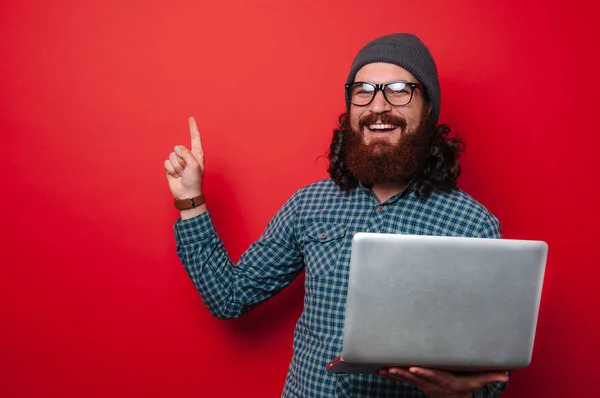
(410, 187)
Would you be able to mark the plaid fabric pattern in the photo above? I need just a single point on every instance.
(313, 230)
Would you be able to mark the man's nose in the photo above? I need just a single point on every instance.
(379, 103)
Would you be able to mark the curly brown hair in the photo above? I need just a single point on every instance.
(440, 171)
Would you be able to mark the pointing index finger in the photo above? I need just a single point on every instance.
(196, 141)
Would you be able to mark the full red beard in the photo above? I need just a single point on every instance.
(383, 162)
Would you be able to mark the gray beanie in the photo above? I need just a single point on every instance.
(408, 52)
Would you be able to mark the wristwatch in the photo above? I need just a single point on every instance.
(190, 203)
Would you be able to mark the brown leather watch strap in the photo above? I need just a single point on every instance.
(184, 204)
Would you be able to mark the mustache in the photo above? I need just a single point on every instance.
(384, 118)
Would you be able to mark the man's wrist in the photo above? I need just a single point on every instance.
(193, 212)
(189, 202)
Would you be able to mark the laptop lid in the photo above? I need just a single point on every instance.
(441, 302)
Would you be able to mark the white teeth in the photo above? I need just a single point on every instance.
(381, 126)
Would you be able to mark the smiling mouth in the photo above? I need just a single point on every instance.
(381, 127)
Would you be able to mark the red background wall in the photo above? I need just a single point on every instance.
(93, 96)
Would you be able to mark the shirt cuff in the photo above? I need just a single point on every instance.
(194, 230)
(479, 393)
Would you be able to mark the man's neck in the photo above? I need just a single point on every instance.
(386, 191)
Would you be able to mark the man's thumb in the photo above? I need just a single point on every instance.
(185, 154)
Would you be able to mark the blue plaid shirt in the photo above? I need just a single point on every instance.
(313, 230)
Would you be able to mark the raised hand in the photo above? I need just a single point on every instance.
(185, 168)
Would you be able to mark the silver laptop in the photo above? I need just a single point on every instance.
(459, 304)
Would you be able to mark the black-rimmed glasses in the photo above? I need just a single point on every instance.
(397, 93)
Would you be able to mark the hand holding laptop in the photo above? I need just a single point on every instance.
(441, 384)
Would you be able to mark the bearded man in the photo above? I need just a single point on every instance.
(393, 170)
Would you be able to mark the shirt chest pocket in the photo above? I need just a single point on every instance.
(322, 248)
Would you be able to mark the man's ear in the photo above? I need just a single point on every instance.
(429, 109)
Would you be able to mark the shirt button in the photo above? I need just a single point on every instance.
(380, 208)
(323, 235)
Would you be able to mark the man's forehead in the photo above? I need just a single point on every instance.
(383, 72)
